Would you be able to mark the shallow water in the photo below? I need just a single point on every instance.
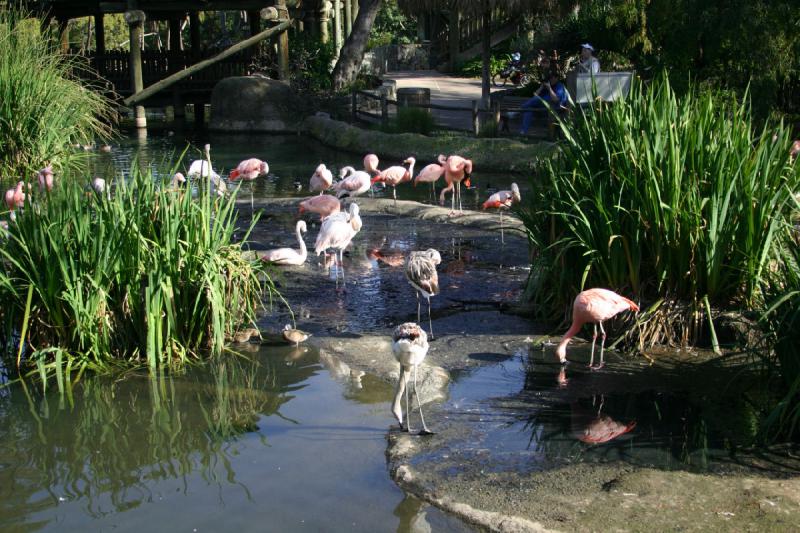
(274, 440)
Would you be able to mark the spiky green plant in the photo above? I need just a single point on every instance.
(679, 203)
(44, 108)
(146, 274)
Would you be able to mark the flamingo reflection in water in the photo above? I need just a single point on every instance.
(594, 427)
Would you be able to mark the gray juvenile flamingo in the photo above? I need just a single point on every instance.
(421, 274)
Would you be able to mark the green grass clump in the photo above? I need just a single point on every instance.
(44, 109)
(680, 204)
(144, 275)
(412, 120)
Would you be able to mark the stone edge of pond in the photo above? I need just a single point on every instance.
(487, 221)
(498, 154)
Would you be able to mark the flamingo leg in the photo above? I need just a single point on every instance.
(417, 293)
(430, 322)
(397, 405)
(502, 236)
(394, 195)
(433, 192)
(341, 264)
(408, 411)
(458, 189)
(602, 345)
(594, 338)
(425, 430)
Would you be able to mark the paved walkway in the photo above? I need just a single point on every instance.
(445, 90)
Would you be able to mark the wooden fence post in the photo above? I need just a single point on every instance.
(475, 118)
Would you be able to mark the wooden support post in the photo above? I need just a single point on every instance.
(135, 20)
(348, 18)
(476, 123)
(454, 37)
(310, 22)
(175, 37)
(384, 111)
(194, 35)
(354, 107)
(337, 26)
(324, 35)
(63, 35)
(355, 9)
(283, 41)
(487, 50)
(99, 43)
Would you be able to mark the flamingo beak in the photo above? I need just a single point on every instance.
(302, 210)
(468, 182)
(375, 180)
(233, 175)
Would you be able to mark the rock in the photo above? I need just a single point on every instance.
(252, 104)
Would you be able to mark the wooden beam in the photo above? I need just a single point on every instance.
(185, 73)
(283, 41)
(135, 20)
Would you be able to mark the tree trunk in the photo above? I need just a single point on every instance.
(349, 63)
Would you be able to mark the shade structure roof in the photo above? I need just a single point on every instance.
(83, 8)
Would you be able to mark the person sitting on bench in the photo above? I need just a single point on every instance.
(552, 92)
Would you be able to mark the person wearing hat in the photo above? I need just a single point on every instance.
(588, 63)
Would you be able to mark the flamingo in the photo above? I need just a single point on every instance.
(289, 256)
(393, 258)
(15, 199)
(354, 183)
(371, 164)
(46, 178)
(396, 175)
(337, 231)
(593, 306)
(324, 205)
(321, 180)
(421, 274)
(794, 150)
(502, 200)
(249, 169)
(457, 169)
(201, 168)
(178, 180)
(431, 174)
(409, 346)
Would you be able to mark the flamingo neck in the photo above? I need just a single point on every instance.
(411, 170)
(561, 350)
(303, 250)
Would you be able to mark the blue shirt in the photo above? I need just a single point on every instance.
(561, 93)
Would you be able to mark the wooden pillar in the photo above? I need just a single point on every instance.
(354, 8)
(310, 22)
(63, 35)
(99, 43)
(175, 37)
(348, 17)
(135, 20)
(194, 35)
(337, 25)
(487, 49)
(283, 41)
(324, 35)
(454, 37)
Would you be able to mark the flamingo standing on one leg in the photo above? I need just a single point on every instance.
(502, 200)
(396, 175)
(371, 164)
(324, 205)
(593, 306)
(421, 274)
(321, 180)
(430, 174)
(249, 169)
(354, 183)
(336, 232)
(457, 169)
(289, 256)
(409, 346)
(45, 177)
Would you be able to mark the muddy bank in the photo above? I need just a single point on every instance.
(504, 155)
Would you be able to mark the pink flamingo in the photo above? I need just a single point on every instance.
(457, 169)
(431, 174)
(503, 200)
(324, 205)
(396, 175)
(46, 178)
(289, 256)
(354, 183)
(794, 150)
(596, 429)
(336, 232)
(249, 169)
(15, 199)
(371, 164)
(321, 180)
(593, 306)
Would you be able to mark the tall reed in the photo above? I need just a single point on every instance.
(677, 202)
(44, 108)
(144, 275)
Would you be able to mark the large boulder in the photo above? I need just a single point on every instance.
(252, 104)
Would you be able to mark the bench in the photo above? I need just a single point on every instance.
(507, 107)
(604, 86)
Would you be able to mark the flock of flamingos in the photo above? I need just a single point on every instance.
(337, 230)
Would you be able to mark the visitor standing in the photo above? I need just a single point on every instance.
(588, 63)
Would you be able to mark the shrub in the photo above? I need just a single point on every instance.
(44, 109)
(148, 274)
(412, 120)
(677, 202)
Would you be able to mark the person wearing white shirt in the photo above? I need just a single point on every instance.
(588, 63)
